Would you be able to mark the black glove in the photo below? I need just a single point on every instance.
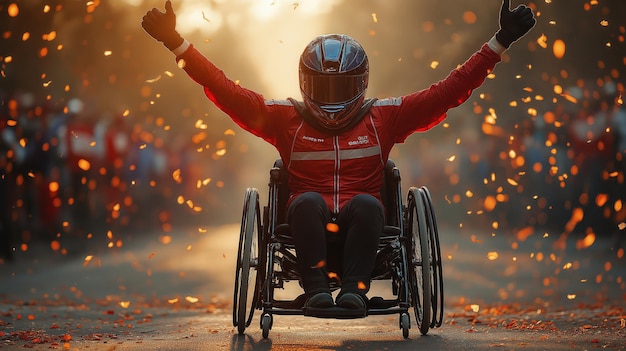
(514, 24)
(162, 26)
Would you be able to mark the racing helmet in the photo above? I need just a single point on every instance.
(333, 74)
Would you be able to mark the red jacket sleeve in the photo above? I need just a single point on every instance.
(424, 109)
(245, 107)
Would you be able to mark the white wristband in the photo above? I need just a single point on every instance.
(182, 48)
(496, 46)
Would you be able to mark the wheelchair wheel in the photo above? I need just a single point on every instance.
(436, 271)
(420, 260)
(246, 278)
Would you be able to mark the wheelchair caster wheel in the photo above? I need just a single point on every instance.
(405, 324)
(266, 325)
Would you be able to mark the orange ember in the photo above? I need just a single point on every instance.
(332, 227)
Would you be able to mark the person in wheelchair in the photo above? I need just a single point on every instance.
(336, 142)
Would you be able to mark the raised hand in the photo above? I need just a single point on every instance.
(514, 24)
(162, 26)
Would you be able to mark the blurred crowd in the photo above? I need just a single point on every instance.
(67, 173)
(562, 170)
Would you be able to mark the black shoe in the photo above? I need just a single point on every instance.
(320, 300)
(351, 301)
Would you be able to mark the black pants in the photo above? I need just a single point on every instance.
(349, 252)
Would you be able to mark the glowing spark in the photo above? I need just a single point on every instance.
(55, 245)
(451, 158)
(13, 10)
(87, 260)
(192, 299)
(374, 18)
(490, 203)
(524, 233)
(173, 301)
(589, 240)
(434, 64)
(108, 53)
(124, 304)
(154, 79)
(601, 199)
(571, 296)
(320, 264)
(177, 176)
(475, 308)
(84, 164)
(201, 125)
(558, 48)
(542, 41)
(492, 255)
(469, 17)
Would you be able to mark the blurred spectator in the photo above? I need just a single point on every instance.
(6, 221)
(594, 144)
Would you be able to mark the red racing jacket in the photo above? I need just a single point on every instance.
(338, 166)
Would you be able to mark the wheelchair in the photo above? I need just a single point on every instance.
(409, 256)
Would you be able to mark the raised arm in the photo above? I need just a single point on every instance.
(247, 108)
(424, 109)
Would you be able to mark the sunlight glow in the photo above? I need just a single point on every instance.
(273, 30)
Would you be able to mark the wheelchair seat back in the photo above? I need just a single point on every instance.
(390, 193)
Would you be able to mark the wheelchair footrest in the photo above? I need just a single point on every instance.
(335, 312)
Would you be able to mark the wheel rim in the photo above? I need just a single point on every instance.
(419, 261)
(247, 263)
(437, 270)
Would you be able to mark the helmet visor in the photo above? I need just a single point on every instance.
(333, 89)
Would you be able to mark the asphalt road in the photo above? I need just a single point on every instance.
(148, 295)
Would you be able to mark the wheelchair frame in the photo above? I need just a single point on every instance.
(409, 255)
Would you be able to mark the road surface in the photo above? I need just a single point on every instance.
(174, 293)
